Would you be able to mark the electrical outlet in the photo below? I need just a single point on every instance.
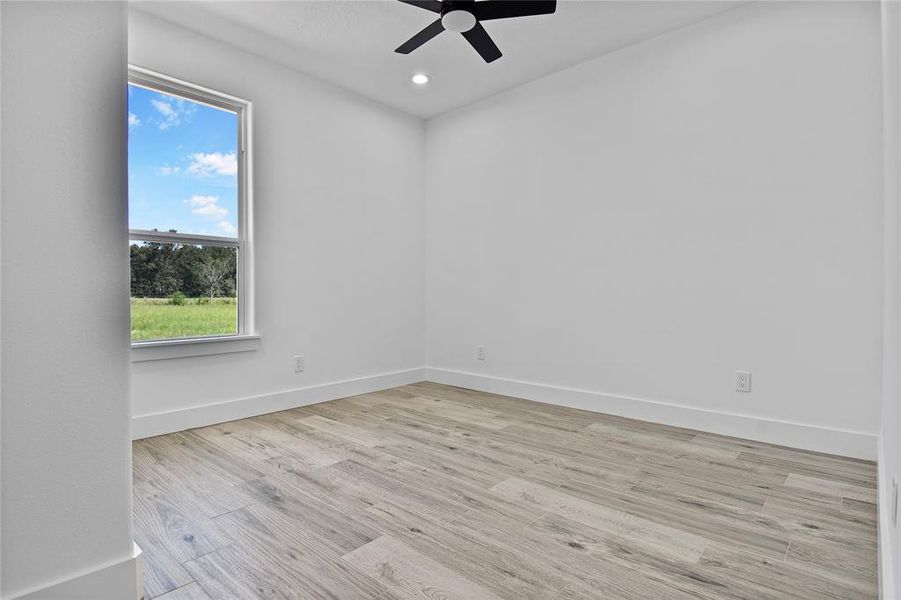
(742, 381)
(298, 364)
(480, 352)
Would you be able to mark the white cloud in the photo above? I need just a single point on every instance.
(213, 211)
(171, 111)
(169, 114)
(133, 120)
(214, 163)
(226, 227)
(164, 108)
(167, 170)
(207, 206)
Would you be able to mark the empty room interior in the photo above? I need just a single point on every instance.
(450, 300)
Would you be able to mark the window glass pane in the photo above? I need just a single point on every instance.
(182, 165)
(182, 290)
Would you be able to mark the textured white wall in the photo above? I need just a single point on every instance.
(338, 220)
(66, 468)
(647, 223)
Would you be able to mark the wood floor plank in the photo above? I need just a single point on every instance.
(479, 473)
(814, 465)
(464, 495)
(829, 486)
(860, 508)
(825, 523)
(706, 489)
(192, 591)
(302, 517)
(762, 577)
(438, 492)
(749, 475)
(205, 461)
(176, 528)
(588, 560)
(641, 531)
(341, 430)
(162, 571)
(628, 571)
(211, 498)
(508, 570)
(851, 564)
(411, 575)
(231, 573)
(471, 415)
(270, 553)
(749, 529)
(647, 442)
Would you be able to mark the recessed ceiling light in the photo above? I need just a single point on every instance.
(420, 79)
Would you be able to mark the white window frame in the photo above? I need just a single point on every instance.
(245, 338)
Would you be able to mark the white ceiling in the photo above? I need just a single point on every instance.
(351, 42)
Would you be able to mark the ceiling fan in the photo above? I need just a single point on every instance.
(465, 16)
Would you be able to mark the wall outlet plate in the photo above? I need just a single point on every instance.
(742, 381)
(298, 364)
(480, 352)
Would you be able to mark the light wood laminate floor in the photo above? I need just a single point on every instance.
(429, 491)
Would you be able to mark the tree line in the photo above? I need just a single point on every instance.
(160, 270)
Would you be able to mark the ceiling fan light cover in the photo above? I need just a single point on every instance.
(458, 20)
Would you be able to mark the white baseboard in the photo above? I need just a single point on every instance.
(144, 426)
(119, 580)
(854, 444)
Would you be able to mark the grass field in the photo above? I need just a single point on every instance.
(158, 318)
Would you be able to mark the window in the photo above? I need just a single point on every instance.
(188, 212)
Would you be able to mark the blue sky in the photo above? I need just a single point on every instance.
(182, 167)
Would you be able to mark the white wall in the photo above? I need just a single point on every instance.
(66, 468)
(890, 434)
(338, 221)
(645, 224)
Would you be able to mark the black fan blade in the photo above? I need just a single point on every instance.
(482, 42)
(432, 5)
(421, 38)
(507, 9)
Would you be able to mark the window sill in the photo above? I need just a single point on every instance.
(168, 349)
